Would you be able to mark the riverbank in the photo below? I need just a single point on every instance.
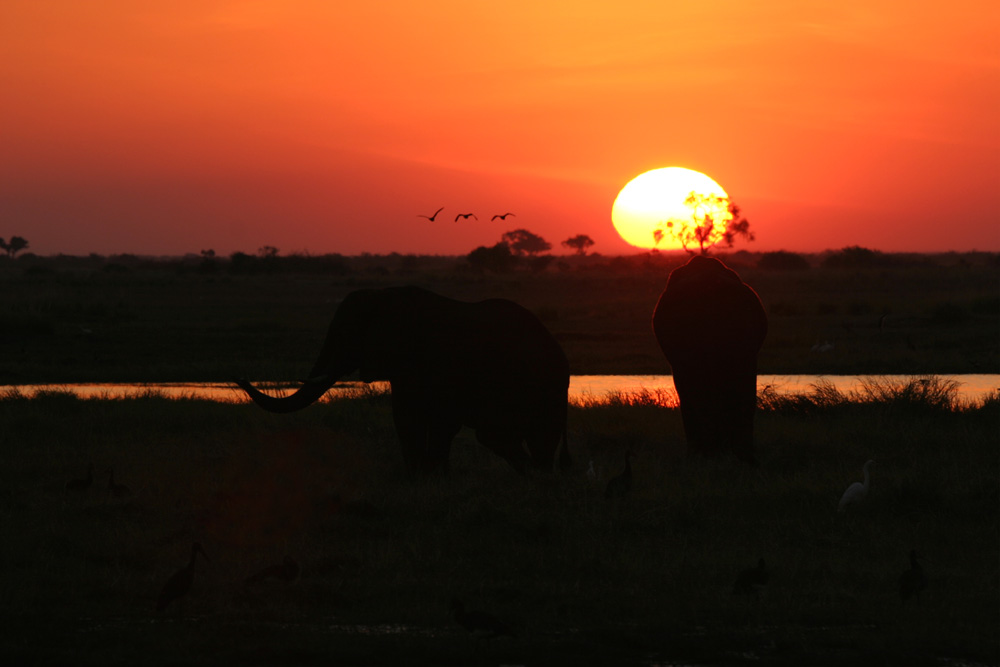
(104, 320)
(648, 579)
(583, 389)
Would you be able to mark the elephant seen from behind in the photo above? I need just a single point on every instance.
(489, 365)
(711, 325)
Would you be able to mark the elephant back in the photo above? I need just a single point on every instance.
(706, 306)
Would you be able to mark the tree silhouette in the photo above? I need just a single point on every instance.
(497, 259)
(579, 243)
(714, 220)
(267, 251)
(522, 242)
(16, 245)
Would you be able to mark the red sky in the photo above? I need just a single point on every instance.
(171, 126)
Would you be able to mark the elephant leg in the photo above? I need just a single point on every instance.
(437, 447)
(506, 444)
(424, 437)
(717, 408)
(699, 411)
(410, 417)
(543, 443)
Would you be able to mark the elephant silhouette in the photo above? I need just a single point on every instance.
(711, 325)
(489, 365)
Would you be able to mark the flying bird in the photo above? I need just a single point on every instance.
(856, 492)
(80, 485)
(621, 485)
(466, 216)
(431, 217)
(180, 582)
(286, 571)
(479, 623)
(752, 580)
(502, 217)
(912, 581)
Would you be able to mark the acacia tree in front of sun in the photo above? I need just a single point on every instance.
(714, 220)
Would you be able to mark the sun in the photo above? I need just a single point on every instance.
(651, 207)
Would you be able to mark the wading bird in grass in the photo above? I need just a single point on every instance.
(912, 581)
(82, 484)
(501, 216)
(466, 216)
(752, 580)
(285, 571)
(620, 485)
(431, 217)
(117, 490)
(479, 623)
(856, 492)
(180, 582)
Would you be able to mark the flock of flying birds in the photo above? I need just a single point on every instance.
(466, 216)
(751, 582)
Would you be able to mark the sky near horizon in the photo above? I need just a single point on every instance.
(166, 127)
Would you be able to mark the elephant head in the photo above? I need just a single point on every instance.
(490, 365)
(360, 338)
(711, 325)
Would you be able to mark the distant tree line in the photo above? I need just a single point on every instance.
(519, 250)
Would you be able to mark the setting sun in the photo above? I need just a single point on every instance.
(652, 204)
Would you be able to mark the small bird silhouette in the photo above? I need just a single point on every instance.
(81, 485)
(180, 582)
(752, 580)
(431, 217)
(479, 623)
(466, 216)
(621, 485)
(856, 492)
(502, 217)
(285, 571)
(912, 581)
(117, 490)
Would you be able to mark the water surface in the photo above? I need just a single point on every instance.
(582, 388)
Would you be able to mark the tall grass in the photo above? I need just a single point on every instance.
(646, 579)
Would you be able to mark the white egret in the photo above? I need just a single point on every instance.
(856, 492)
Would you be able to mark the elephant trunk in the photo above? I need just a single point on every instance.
(305, 396)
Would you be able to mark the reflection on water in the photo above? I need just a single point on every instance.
(582, 388)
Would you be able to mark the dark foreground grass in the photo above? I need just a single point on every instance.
(646, 580)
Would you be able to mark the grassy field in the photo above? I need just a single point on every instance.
(129, 320)
(644, 580)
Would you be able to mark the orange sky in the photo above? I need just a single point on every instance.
(169, 126)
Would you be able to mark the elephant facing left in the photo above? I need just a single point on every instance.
(489, 365)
